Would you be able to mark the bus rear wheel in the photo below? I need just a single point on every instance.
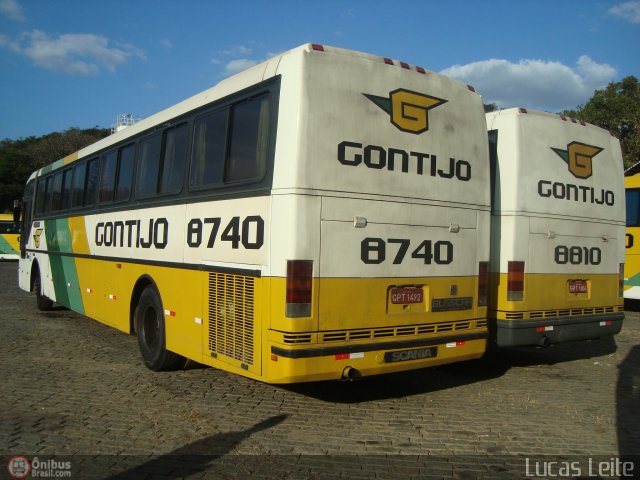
(150, 328)
(42, 301)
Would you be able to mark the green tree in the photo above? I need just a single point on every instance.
(617, 109)
(18, 158)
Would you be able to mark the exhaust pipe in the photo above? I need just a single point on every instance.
(544, 341)
(350, 374)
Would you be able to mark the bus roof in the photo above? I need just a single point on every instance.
(227, 86)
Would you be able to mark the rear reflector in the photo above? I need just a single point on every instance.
(621, 280)
(299, 288)
(483, 283)
(515, 281)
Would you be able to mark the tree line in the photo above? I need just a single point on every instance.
(615, 108)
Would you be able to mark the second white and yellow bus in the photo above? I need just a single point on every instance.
(322, 215)
(558, 220)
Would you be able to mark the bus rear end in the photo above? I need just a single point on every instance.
(557, 254)
(380, 208)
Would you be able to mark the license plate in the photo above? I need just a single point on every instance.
(577, 286)
(406, 295)
(413, 354)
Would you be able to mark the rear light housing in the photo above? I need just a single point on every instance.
(483, 283)
(621, 281)
(515, 281)
(299, 288)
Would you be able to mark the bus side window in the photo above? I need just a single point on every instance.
(209, 143)
(148, 166)
(633, 207)
(56, 192)
(91, 189)
(249, 140)
(174, 159)
(65, 202)
(47, 194)
(125, 173)
(77, 188)
(108, 176)
(40, 196)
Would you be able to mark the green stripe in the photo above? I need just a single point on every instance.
(5, 247)
(63, 268)
(633, 281)
(52, 166)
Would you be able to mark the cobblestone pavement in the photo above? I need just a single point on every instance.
(75, 392)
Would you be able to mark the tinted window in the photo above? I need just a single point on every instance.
(77, 189)
(633, 207)
(125, 173)
(91, 192)
(209, 143)
(175, 157)
(249, 140)
(56, 191)
(40, 196)
(65, 202)
(108, 176)
(149, 166)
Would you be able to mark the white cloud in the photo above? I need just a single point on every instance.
(235, 66)
(165, 42)
(74, 53)
(538, 84)
(237, 50)
(12, 9)
(629, 11)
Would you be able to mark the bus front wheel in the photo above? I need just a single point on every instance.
(42, 301)
(150, 328)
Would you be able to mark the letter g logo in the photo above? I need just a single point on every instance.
(409, 110)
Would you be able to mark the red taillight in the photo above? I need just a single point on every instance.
(515, 281)
(621, 281)
(483, 283)
(299, 288)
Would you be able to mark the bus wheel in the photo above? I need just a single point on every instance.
(150, 327)
(44, 303)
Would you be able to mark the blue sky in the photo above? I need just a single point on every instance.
(80, 63)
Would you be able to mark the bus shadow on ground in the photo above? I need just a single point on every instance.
(417, 382)
(191, 459)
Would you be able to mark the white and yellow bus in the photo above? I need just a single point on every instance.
(558, 219)
(632, 262)
(322, 215)
(9, 237)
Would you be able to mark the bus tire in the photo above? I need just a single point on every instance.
(150, 328)
(42, 301)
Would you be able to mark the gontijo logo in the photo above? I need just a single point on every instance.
(579, 157)
(409, 110)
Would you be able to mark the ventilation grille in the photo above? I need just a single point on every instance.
(231, 303)
(367, 334)
(560, 313)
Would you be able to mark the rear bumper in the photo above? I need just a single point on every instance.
(511, 333)
(312, 363)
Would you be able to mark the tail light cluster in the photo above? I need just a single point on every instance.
(299, 288)
(515, 281)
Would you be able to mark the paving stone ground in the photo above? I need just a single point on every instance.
(74, 390)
